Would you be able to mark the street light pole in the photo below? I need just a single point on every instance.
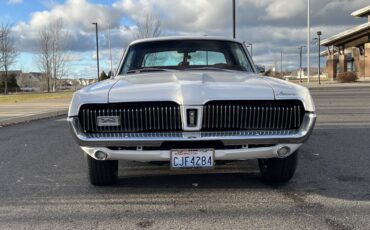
(300, 62)
(234, 20)
(308, 41)
(318, 45)
(110, 51)
(97, 46)
(281, 62)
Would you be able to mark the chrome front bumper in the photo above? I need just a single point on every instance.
(164, 155)
(227, 137)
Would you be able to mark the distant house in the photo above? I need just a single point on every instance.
(33, 81)
(74, 84)
(296, 74)
(37, 81)
(85, 82)
(10, 73)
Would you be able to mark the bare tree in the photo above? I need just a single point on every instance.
(8, 52)
(150, 27)
(52, 54)
(44, 57)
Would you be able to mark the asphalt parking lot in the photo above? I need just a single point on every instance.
(43, 182)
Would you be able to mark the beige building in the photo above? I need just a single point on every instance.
(32, 81)
(349, 51)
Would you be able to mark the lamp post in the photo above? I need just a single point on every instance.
(110, 51)
(97, 46)
(308, 41)
(281, 62)
(234, 20)
(318, 46)
(300, 62)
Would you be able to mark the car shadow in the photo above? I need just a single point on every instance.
(193, 181)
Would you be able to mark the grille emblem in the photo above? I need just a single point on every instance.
(192, 117)
(108, 121)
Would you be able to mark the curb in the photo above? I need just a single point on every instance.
(18, 120)
(336, 86)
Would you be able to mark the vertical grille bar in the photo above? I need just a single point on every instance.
(166, 117)
(208, 116)
(217, 112)
(213, 116)
(158, 119)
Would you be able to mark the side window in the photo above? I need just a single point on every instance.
(167, 58)
(207, 58)
(241, 57)
(127, 63)
(242, 60)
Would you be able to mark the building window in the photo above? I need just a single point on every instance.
(351, 66)
(338, 66)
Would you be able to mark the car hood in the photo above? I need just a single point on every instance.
(191, 87)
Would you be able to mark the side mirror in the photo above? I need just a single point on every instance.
(261, 68)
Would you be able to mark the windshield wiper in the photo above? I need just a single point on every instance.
(151, 69)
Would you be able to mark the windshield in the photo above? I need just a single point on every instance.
(186, 55)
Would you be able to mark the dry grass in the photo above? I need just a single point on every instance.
(30, 97)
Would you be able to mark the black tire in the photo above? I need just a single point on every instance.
(278, 170)
(102, 172)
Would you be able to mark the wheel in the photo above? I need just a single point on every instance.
(278, 170)
(102, 172)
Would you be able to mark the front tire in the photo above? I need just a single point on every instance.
(278, 170)
(102, 172)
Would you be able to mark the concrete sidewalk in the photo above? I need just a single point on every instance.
(337, 85)
(13, 113)
(334, 84)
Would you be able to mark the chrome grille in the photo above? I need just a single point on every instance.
(252, 115)
(134, 117)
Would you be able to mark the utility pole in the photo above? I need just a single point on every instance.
(300, 62)
(281, 62)
(97, 46)
(318, 45)
(110, 51)
(308, 41)
(234, 20)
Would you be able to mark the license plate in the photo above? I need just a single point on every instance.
(192, 159)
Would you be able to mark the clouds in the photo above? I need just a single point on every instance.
(271, 25)
(14, 2)
(76, 14)
(285, 9)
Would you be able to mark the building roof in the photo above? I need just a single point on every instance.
(12, 72)
(324, 53)
(364, 12)
(348, 35)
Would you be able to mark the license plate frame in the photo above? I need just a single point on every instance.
(192, 154)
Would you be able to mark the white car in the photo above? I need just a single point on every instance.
(195, 103)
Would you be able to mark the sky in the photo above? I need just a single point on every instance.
(271, 26)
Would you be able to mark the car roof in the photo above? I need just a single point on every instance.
(174, 38)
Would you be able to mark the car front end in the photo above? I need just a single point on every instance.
(184, 115)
